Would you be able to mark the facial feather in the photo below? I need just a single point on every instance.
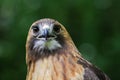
(47, 35)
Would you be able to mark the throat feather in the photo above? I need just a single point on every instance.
(57, 67)
(51, 45)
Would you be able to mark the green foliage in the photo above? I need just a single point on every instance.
(93, 24)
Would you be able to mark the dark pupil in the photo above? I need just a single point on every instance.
(57, 28)
(35, 29)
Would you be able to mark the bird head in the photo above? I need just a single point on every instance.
(47, 35)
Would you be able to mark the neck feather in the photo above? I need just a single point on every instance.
(60, 66)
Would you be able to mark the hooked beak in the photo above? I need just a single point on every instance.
(46, 35)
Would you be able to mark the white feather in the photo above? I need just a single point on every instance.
(51, 45)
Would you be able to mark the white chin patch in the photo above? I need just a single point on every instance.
(51, 45)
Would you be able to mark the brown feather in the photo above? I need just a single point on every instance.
(61, 66)
(65, 63)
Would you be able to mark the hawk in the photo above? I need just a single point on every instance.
(52, 55)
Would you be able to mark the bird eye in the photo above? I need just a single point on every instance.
(57, 28)
(35, 29)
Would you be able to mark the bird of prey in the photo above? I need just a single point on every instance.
(52, 55)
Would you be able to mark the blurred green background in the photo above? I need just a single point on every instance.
(93, 24)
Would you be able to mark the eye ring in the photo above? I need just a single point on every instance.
(35, 29)
(57, 29)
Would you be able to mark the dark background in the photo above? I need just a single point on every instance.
(93, 24)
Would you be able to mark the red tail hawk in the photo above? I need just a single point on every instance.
(52, 55)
